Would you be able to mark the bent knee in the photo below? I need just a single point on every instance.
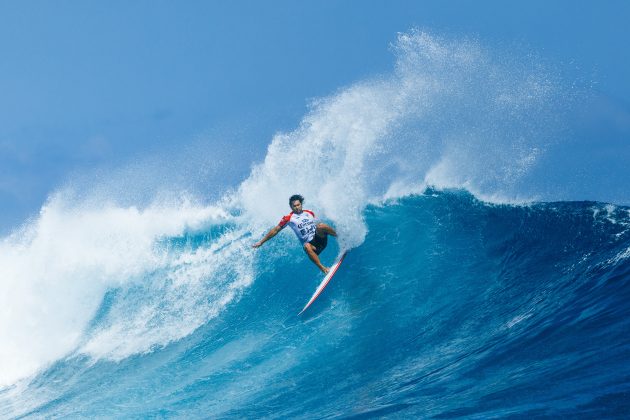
(322, 229)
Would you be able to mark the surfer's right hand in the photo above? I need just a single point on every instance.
(256, 245)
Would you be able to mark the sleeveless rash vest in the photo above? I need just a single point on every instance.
(303, 224)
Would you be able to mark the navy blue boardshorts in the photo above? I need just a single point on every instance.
(319, 242)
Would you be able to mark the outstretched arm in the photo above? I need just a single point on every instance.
(273, 232)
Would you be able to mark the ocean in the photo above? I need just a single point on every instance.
(468, 291)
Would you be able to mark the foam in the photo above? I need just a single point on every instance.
(56, 271)
(189, 289)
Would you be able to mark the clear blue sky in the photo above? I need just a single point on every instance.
(98, 84)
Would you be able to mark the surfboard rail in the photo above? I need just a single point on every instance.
(325, 282)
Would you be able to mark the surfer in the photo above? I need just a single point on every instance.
(310, 231)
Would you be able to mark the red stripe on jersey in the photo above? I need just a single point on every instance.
(285, 220)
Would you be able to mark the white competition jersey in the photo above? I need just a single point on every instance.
(303, 224)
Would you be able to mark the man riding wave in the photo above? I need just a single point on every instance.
(312, 233)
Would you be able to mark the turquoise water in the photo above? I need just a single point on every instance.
(450, 308)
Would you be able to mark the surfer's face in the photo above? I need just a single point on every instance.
(296, 206)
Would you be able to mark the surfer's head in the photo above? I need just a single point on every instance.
(295, 202)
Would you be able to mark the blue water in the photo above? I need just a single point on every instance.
(450, 308)
(477, 285)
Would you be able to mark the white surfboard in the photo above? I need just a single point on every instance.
(325, 282)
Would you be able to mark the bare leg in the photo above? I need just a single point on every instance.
(323, 229)
(308, 248)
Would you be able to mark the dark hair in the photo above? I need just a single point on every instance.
(296, 197)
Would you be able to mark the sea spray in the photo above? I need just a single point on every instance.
(451, 115)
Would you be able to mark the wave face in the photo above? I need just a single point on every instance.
(451, 307)
(450, 303)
